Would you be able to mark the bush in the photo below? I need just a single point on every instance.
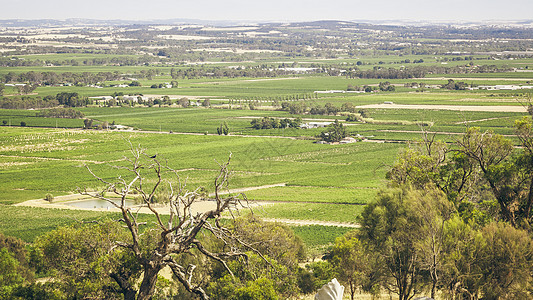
(49, 197)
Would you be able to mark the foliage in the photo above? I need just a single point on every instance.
(405, 237)
(49, 197)
(223, 129)
(314, 276)
(335, 132)
(275, 240)
(351, 263)
(60, 112)
(10, 279)
(493, 261)
(508, 256)
(71, 99)
(85, 259)
(268, 123)
(483, 167)
(87, 123)
(452, 85)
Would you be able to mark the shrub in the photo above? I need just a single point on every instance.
(49, 197)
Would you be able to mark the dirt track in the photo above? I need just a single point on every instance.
(60, 202)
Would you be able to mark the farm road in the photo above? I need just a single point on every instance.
(61, 202)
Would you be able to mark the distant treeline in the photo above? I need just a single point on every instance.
(25, 102)
(53, 78)
(61, 112)
(102, 61)
(88, 78)
(222, 72)
(422, 71)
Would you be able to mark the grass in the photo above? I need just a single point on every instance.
(36, 161)
(27, 223)
(344, 213)
(317, 238)
(313, 194)
(13, 117)
(323, 182)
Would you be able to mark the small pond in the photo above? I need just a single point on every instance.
(97, 203)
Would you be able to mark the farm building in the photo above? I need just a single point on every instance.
(315, 125)
(337, 92)
(348, 140)
(504, 87)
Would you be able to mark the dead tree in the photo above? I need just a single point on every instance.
(178, 235)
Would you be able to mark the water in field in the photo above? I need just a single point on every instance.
(97, 203)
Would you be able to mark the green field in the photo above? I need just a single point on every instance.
(46, 160)
(321, 182)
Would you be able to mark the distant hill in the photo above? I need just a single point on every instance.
(222, 23)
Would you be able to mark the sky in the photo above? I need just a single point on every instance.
(270, 10)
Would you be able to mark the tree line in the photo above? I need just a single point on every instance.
(456, 220)
(64, 98)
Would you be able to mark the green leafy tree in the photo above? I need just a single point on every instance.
(88, 123)
(225, 128)
(15, 266)
(406, 239)
(86, 261)
(483, 174)
(348, 107)
(10, 279)
(183, 102)
(462, 246)
(352, 264)
(335, 132)
(507, 260)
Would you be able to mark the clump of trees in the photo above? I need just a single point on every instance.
(33, 78)
(413, 242)
(269, 123)
(455, 220)
(63, 98)
(223, 129)
(453, 85)
(26, 102)
(60, 112)
(482, 169)
(72, 99)
(334, 133)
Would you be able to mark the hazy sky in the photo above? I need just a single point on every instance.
(276, 10)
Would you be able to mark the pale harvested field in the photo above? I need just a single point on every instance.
(474, 78)
(498, 108)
